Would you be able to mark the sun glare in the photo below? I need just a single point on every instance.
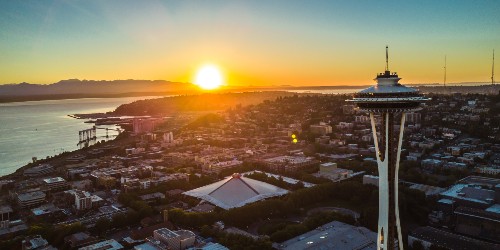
(208, 77)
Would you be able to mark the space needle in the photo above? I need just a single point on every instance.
(389, 100)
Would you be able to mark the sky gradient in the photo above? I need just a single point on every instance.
(253, 42)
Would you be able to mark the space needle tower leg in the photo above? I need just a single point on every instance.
(388, 166)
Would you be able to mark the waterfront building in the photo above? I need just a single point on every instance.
(176, 240)
(31, 199)
(42, 169)
(389, 100)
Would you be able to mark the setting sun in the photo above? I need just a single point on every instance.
(208, 77)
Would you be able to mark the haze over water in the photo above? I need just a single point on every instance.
(43, 128)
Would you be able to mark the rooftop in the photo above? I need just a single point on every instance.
(45, 209)
(107, 244)
(469, 192)
(333, 235)
(236, 191)
(478, 213)
(5, 209)
(450, 240)
(31, 196)
(54, 180)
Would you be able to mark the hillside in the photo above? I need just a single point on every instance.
(202, 102)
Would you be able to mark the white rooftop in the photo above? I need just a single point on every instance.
(494, 209)
(54, 180)
(107, 244)
(236, 191)
(333, 235)
(469, 192)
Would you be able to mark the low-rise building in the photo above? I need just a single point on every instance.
(370, 180)
(31, 199)
(217, 167)
(176, 240)
(79, 239)
(55, 183)
(289, 163)
(36, 242)
(107, 244)
(333, 235)
(42, 169)
(429, 236)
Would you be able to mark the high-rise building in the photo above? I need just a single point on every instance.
(389, 100)
(145, 125)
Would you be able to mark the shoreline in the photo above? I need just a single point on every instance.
(18, 173)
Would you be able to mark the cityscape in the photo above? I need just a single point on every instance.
(237, 147)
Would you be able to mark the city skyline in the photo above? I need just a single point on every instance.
(253, 43)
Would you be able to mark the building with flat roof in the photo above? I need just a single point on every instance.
(176, 240)
(429, 236)
(289, 163)
(479, 223)
(470, 195)
(217, 167)
(82, 199)
(428, 190)
(107, 244)
(210, 246)
(42, 169)
(36, 242)
(46, 211)
(31, 199)
(236, 191)
(79, 239)
(55, 183)
(333, 235)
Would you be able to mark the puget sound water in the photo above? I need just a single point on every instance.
(43, 128)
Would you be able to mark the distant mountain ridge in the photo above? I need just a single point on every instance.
(93, 87)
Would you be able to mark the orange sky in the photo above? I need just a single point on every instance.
(256, 43)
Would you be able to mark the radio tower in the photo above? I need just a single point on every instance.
(444, 82)
(493, 70)
(389, 100)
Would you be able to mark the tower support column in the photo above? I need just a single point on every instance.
(388, 167)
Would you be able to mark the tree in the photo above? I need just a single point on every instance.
(102, 225)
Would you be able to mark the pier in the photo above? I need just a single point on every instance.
(87, 135)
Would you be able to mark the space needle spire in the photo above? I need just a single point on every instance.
(389, 101)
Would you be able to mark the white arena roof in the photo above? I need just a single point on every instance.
(236, 191)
